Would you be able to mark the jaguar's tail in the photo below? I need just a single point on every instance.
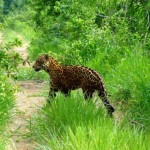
(103, 95)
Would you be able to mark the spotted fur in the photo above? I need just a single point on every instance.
(67, 78)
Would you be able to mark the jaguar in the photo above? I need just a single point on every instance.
(65, 78)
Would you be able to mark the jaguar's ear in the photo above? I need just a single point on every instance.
(46, 56)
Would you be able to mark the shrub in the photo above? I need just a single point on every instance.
(70, 29)
(9, 59)
(6, 104)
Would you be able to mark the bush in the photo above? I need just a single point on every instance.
(9, 59)
(6, 104)
(70, 29)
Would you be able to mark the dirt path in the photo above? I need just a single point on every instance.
(27, 104)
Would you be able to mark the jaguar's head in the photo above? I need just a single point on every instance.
(41, 62)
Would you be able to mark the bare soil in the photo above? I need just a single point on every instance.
(28, 101)
(27, 104)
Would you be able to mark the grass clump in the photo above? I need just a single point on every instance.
(74, 124)
(7, 98)
(127, 83)
(57, 113)
(6, 104)
(130, 86)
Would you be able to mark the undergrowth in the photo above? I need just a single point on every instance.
(130, 85)
(6, 104)
(9, 61)
(74, 124)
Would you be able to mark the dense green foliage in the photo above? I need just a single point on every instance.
(110, 36)
(79, 31)
(6, 104)
(72, 124)
(133, 90)
(9, 61)
(10, 5)
(6, 99)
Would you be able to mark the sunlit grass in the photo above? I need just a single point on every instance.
(73, 124)
(6, 104)
(128, 85)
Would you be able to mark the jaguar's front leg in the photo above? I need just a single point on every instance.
(51, 91)
(52, 94)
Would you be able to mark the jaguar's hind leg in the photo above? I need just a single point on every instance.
(88, 94)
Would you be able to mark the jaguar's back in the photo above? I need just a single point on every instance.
(80, 77)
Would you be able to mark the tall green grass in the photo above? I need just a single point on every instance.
(127, 83)
(6, 104)
(130, 85)
(6, 99)
(74, 124)
(60, 108)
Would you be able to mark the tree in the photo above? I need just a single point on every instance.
(6, 7)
